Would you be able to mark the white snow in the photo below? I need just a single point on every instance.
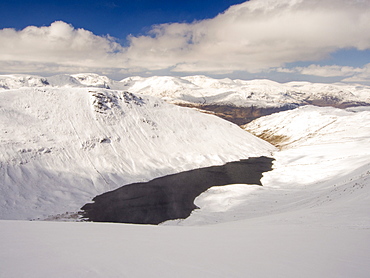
(17, 81)
(261, 93)
(205, 90)
(321, 174)
(62, 146)
(261, 247)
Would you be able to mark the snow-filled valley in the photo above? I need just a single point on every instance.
(66, 139)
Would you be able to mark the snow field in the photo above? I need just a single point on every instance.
(250, 248)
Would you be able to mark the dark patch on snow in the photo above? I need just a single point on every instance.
(106, 100)
(105, 140)
(237, 114)
(333, 102)
(171, 197)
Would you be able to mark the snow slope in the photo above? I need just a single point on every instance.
(321, 174)
(60, 147)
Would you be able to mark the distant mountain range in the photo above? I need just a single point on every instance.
(238, 101)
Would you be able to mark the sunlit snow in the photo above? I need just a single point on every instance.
(60, 146)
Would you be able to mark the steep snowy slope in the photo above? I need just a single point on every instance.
(320, 175)
(61, 147)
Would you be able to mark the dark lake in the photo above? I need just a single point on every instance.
(172, 196)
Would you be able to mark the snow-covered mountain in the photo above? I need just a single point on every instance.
(203, 91)
(21, 80)
(60, 147)
(309, 219)
(17, 81)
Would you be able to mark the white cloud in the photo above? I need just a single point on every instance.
(59, 44)
(361, 77)
(256, 35)
(328, 71)
(348, 74)
(324, 71)
(253, 36)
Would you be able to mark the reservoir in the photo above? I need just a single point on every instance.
(171, 197)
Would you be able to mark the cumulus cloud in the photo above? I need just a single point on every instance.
(257, 35)
(252, 36)
(59, 44)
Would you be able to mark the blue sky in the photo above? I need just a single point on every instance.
(117, 18)
(283, 40)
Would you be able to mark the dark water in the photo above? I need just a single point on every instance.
(171, 197)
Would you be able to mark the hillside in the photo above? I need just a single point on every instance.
(321, 173)
(60, 147)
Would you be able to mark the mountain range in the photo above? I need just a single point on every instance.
(239, 101)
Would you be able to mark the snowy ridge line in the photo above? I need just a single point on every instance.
(202, 90)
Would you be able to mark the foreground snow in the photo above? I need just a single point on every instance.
(270, 246)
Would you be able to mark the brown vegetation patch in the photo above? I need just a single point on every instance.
(278, 141)
(235, 114)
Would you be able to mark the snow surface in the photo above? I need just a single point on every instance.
(262, 247)
(60, 147)
(321, 174)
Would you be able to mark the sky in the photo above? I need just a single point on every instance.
(281, 40)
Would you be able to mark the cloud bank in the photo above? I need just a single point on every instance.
(253, 36)
(57, 47)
